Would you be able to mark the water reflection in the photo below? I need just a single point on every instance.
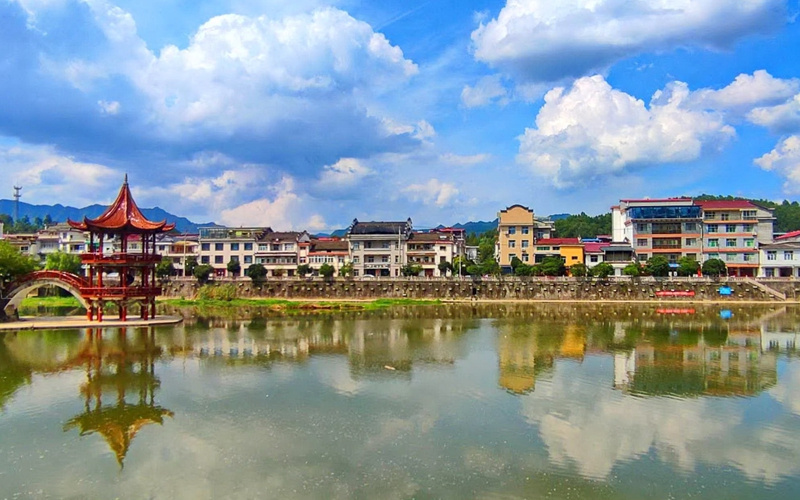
(452, 402)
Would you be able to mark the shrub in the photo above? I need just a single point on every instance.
(203, 273)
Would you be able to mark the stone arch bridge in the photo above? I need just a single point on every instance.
(23, 285)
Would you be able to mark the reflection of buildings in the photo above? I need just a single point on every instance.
(125, 374)
(693, 370)
(525, 354)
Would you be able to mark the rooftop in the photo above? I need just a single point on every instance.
(725, 204)
(380, 227)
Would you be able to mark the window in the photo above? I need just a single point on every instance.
(356, 260)
(248, 259)
(526, 230)
(234, 247)
(385, 259)
(512, 244)
(749, 242)
(525, 243)
(690, 226)
(712, 228)
(512, 230)
(234, 258)
(442, 249)
(370, 258)
(248, 247)
(713, 243)
(641, 242)
(725, 216)
(770, 272)
(730, 242)
(288, 247)
(746, 257)
(748, 228)
(730, 228)
(642, 257)
(641, 228)
(511, 257)
(205, 247)
(772, 255)
(788, 255)
(218, 247)
(690, 242)
(355, 245)
(218, 259)
(525, 257)
(729, 257)
(543, 249)
(713, 255)
(593, 258)
(396, 259)
(204, 259)
(748, 214)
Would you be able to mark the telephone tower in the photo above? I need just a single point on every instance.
(17, 196)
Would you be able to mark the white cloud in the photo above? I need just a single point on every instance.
(783, 117)
(784, 160)
(747, 92)
(488, 89)
(432, 192)
(109, 107)
(542, 40)
(464, 160)
(47, 176)
(283, 211)
(591, 130)
(344, 173)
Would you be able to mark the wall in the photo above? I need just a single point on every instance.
(508, 289)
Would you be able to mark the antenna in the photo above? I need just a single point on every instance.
(17, 196)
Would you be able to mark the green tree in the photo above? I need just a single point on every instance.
(202, 273)
(190, 265)
(553, 266)
(445, 267)
(657, 265)
(515, 262)
(578, 270)
(62, 261)
(234, 267)
(326, 271)
(346, 270)
(411, 270)
(165, 268)
(602, 270)
(687, 266)
(524, 270)
(13, 263)
(303, 269)
(48, 221)
(256, 272)
(633, 270)
(583, 226)
(714, 267)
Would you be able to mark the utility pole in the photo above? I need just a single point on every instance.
(17, 196)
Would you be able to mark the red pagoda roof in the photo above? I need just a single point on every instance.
(122, 216)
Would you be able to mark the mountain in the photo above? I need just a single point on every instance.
(60, 213)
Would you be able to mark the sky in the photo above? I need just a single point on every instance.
(308, 114)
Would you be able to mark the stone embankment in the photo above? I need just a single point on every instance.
(680, 289)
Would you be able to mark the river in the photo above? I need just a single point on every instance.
(502, 401)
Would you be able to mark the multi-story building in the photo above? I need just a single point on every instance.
(779, 260)
(732, 232)
(331, 251)
(430, 249)
(378, 248)
(220, 245)
(178, 248)
(670, 227)
(281, 252)
(517, 231)
(570, 250)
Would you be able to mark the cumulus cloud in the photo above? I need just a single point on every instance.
(784, 160)
(542, 40)
(489, 89)
(344, 173)
(747, 92)
(591, 130)
(283, 211)
(464, 160)
(432, 192)
(784, 117)
(109, 107)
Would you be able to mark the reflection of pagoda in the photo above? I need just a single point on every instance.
(136, 271)
(130, 382)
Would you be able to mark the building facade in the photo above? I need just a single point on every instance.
(430, 249)
(517, 232)
(280, 252)
(220, 245)
(378, 248)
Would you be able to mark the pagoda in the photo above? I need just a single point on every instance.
(135, 281)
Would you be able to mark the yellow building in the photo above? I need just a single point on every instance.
(569, 249)
(517, 231)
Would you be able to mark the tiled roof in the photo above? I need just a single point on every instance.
(594, 247)
(724, 204)
(329, 246)
(558, 241)
(431, 237)
(374, 227)
(788, 236)
(280, 235)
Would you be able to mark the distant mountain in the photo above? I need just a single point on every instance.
(60, 213)
(556, 217)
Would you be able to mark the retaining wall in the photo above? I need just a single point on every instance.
(507, 289)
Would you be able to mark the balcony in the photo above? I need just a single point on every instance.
(120, 292)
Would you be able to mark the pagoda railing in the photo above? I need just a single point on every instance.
(120, 291)
(120, 258)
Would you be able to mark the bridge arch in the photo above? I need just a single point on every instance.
(22, 286)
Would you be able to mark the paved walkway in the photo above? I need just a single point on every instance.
(48, 323)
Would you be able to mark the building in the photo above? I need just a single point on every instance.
(733, 231)
(220, 245)
(570, 250)
(331, 251)
(670, 227)
(430, 249)
(281, 252)
(779, 260)
(378, 248)
(517, 231)
(178, 248)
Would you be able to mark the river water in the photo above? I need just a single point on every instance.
(546, 401)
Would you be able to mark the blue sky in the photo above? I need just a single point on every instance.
(309, 113)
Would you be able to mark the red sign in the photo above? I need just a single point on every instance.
(673, 293)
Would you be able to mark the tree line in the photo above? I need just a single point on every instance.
(24, 224)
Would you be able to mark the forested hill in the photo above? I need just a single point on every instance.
(787, 213)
